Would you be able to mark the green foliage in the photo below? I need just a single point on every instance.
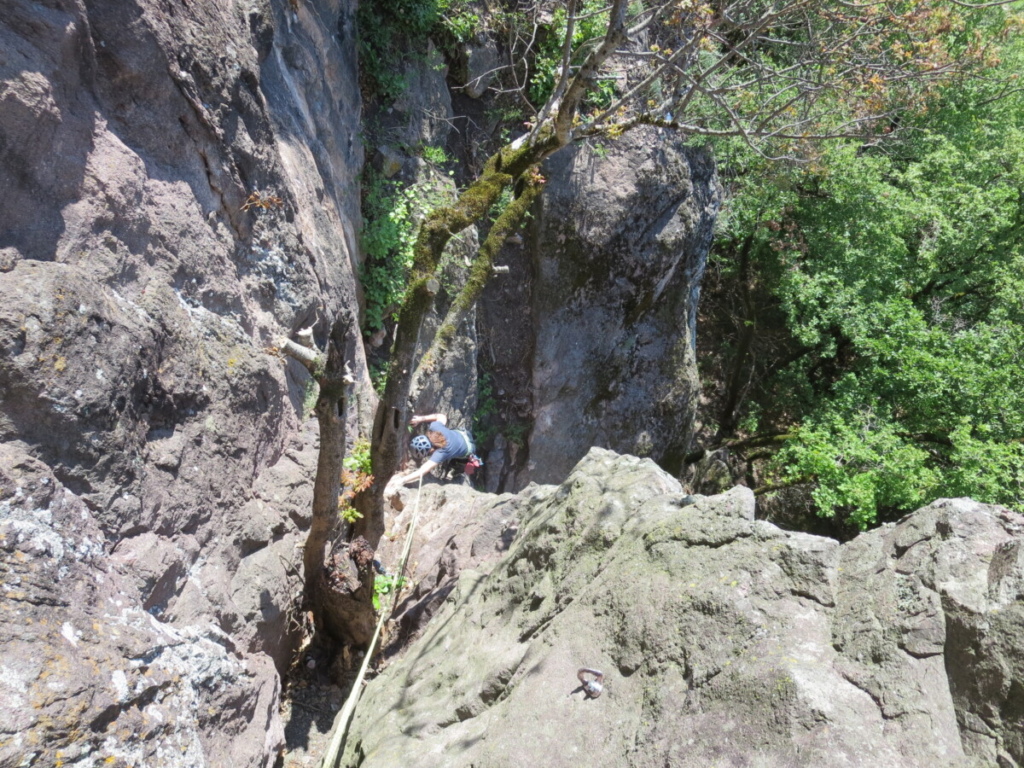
(384, 586)
(504, 201)
(379, 376)
(435, 155)
(388, 238)
(355, 478)
(506, 117)
(517, 433)
(391, 215)
(899, 278)
(310, 394)
(487, 420)
(387, 33)
(390, 31)
(457, 20)
(358, 459)
(349, 513)
(484, 419)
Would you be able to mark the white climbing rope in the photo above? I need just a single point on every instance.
(332, 756)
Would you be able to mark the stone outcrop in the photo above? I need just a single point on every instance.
(180, 189)
(724, 640)
(619, 247)
(459, 529)
(89, 673)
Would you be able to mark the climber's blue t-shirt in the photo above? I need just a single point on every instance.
(457, 447)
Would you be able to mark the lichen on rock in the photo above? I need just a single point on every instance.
(723, 639)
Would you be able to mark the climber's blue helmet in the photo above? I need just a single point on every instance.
(421, 447)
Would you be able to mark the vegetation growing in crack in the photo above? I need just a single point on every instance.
(384, 585)
(389, 32)
(391, 214)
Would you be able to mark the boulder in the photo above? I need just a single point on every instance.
(723, 640)
(622, 236)
(458, 529)
(481, 61)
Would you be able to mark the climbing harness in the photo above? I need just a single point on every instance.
(470, 445)
(592, 688)
(332, 756)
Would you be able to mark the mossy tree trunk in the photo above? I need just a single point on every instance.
(506, 168)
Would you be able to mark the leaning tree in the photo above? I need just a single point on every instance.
(778, 75)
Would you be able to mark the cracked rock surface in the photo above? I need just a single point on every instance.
(180, 190)
(88, 674)
(723, 640)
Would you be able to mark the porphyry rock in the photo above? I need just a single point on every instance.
(623, 234)
(88, 675)
(181, 189)
(723, 640)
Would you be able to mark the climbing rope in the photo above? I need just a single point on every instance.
(332, 756)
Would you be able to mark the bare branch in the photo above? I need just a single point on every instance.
(305, 355)
(977, 6)
(563, 78)
(580, 84)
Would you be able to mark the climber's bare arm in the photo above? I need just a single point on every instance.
(416, 474)
(429, 418)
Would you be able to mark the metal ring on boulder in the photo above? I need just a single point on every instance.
(592, 688)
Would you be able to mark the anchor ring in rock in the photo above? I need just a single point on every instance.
(594, 687)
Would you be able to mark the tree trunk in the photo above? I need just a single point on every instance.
(508, 166)
(338, 574)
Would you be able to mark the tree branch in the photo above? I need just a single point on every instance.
(772, 487)
(309, 357)
(483, 268)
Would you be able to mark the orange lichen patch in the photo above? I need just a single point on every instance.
(256, 200)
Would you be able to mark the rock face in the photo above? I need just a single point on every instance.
(89, 674)
(620, 247)
(422, 117)
(459, 529)
(180, 189)
(724, 640)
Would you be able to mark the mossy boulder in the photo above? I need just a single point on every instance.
(724, 640)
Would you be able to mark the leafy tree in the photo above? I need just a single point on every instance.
(880, 344)
(776, 75)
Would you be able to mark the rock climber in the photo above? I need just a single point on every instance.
(439, 445)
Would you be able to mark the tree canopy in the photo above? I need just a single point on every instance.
(791, 71)
(884, 286)
(776, 74)
(772, 78)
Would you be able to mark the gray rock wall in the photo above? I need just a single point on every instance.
(724, 640)
(139, 301)
(620, 246)
(89, 674)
